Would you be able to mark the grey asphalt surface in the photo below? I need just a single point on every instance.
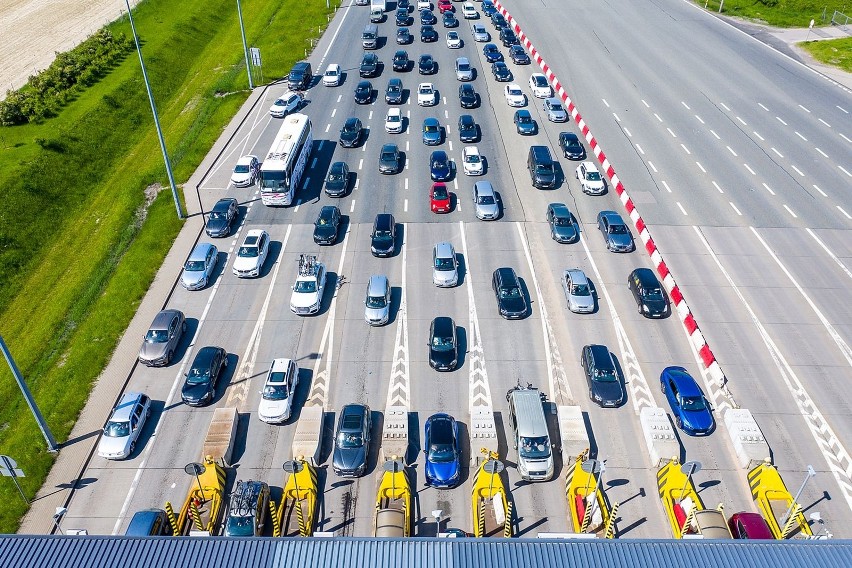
(624, 60)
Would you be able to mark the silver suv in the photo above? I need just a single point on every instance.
(485, 201)
(445, 266)
(464, 71)
(377, 303)
(161, 341)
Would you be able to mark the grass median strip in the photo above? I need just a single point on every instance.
(836, 52)
(82, 228)
(781, 13)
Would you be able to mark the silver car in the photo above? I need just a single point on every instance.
(479, 32)
(578, 291)
(377, 303)
(616, 234)
(464, 71)
(445, 266)
(554, 110)
(123, 428)
(485, 201)
(199, 267)
(161, 341)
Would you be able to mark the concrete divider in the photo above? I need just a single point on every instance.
(483, 433)
(659, 435)
(572, 432)
(749, 443)
(307, 440)
(394, 433)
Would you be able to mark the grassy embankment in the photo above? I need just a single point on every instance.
(836, 52)
(781, 13)
(78, 248)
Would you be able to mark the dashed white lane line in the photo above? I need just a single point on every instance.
(824, 194)
(824, 155)
(801, 107)
(713, 132)
(798, 171)
(769, 189)
(749, 169)
(838, 459)
(616, 117)
(843, 109)
(780, 155)
(682, 210)
(844, 170)
(762, 139)
(790, 211)
(626, 131)
(667, 186)
(406, 183)
(716, 185)
(845, 138)
(370, 117)
(725, 107)
(339, 98)
(699, 119)
(360, 164)
(800, 136)
(327, 127)
(606, 103)
(641, 151)
(672, 133)
(405, 206)
(824, 122)
(650, 163)
(646, 104)
(743, 122)
(731, 150)
(352, 206)
(831, 254)
(844, 212)
(763, 107)
(658, 117)
(450, 143)
(735, 208)
(781, 120)
(700, 167)
(333, 112)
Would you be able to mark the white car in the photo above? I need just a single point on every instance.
(331, 77)
(590, 178)
(539, 86)
(424, 5)
(472, 160)
(306, 298)
(124, 426)
(469, 11)
(453, 40)
(245, 172)
(286, 103)
(426, 95)
(393, 121)
(515, 97)
(252, 254)
(276, 402)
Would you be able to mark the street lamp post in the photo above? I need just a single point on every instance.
(57, 518)
(245, 45)
(180, 212)
(810, 473)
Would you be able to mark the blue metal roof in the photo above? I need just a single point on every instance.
(17, 551)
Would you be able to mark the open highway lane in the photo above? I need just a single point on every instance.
(251, 319)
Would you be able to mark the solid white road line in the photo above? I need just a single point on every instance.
(831, 254)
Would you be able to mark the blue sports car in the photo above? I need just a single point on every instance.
(691, 409)
(443, 454)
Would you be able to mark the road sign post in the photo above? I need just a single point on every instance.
(688, 469)
(196, 469)
(8, 468)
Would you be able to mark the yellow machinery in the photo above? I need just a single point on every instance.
(298, 501)
(492, 510)
(678, 496)
(773, 500)
(393, 502)
(587, 503)
(202, 510)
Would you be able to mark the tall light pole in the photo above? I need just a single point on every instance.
(245, 45)
(180, 213)
(810, 473)
(45, 430)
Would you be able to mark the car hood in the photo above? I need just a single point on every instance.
(442, 358)
(441, 171)
(274, 408)
(113, 446)
(388, 163)
(656, 307)
(609, 391)
(583, 303)
(432, 135)
(348, 137)
(558, 114)
(445, 276)
(245, 263)
(152, 351)
(621, 240)
(596, 185)
(303, 299)
(335, 185)
(217, 226)
(376, 313)
(362, 96)
(194, 393)
(513, 305)
(487, 209)
(241, 177)
(526, 127)
(467, 98)
(382, 243)
(568, 232)
(697, 420)
(192, 278)
(324, 231)
(574, 151)
(349, 458)
(442, 472)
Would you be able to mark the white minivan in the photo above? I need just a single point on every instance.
(529, 433)
(331, 77)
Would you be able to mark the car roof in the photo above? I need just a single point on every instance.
(394, 111)
(444, 250)
(591, 167)
(395, 81)
(204, 355)
(523, 112)
(443, 325)
(612, 217)
(163, 319)
(384, 221)
(441, 428)
(462, 60)
(560, 210)
(351, 411)
(553, 101)
(224, 203)
(431, 121)
(507, 276)
(327, 209)
(200, 251)
(125, 405)
(246, 159)
(600, 356)
(338, 165)
(254, 233)
(351, 121)
(389, 148)
(568, 136)
(424, 86)
(484, 188)
(362, 84)
(279, 366)
(377, 285)
(577, 276)
(301, 66)
(684, 382)
(646, 277)
(470, 150)
(466, 119)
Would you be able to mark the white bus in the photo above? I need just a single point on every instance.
(284, 165)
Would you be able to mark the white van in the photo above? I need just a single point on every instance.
(529, 433)
(331, 77)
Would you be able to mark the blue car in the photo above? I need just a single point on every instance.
(439, 166)
(443, 454)
(431, 132)
(691, 409)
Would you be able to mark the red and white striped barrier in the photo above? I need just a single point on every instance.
(697, 338)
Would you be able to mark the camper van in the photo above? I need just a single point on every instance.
(529, 433)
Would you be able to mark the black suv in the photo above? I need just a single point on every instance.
(364, 92)
(467, 129)
(508, 37)
(300, 76)
(571, 146)
(511, 303)
(648, 293)
(383, 237)
(402, 17)
(369, 65)
(400, 60)
(467, 96)
(443, 344)
(518, 55)
(428, 34)
(605, 387)
(352, 441)
(426, 65)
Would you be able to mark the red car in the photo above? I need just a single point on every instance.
(439, 198)
(445, 6)
(749, 525)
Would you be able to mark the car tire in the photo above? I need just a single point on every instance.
(662, 387)
(183, 327)
(169, 356)
(679, 423)
(132, 448)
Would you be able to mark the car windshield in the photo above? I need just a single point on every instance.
(241, 169)
(540, 81)
(350, 127)
(543, 168)
(394, 118)
(441, 453)
(439, 164)
(562, 222)
(692, 403)
(444, 264)
(306, 286)
(280, 102)
(439, 192)
(486, 200)
(393, 88)
(157, 336)
(388, 156)
(335, 175)
(197, 376)
(248, 252)
(472, 159)
(194, 265)
(464, 66)
(217, 215)
(534, 447)
(652, 293)
(554, 106)
(349, 440)
(442, 343)
(514, 92)
(383, 234)
(572, 143)
(115, 429)
(275, 392)
(240, 526)
(323, 221)
(593, 176)
(376, 302)
(512, 292)
(605, 376)
(524, 119)
(580, 290)
(430, 128)
(425, 90)
(617, 230)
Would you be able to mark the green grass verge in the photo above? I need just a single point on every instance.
(836, 52)
(781, 13)
(75, 257)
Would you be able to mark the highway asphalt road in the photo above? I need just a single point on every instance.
(764, 271)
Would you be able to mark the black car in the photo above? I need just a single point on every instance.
(491, 53)
(450, 20)
(369, 65)
(403, 4)
(393, 94)
(468, 132)
(571, 146)
(443, 344)
(350, 134)
(337, 180)
(439, 166)
(352, 441)
(403, 36)
(400, 60)
(487, 8)
(383, 237)
(498, 20)
(510, 298)
(426, 65)
(605, 388)
(199, 387)
(650, 297)
(428, 34)
(327, 225)
(501, 72)
(402, 17)
(508, 37)
(389, 159)
(364, 92)
(524, 123)
(467, 96)
(221, 217)
(427, 18)
(518, 55)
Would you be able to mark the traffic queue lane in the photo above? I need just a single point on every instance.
(376, 400)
